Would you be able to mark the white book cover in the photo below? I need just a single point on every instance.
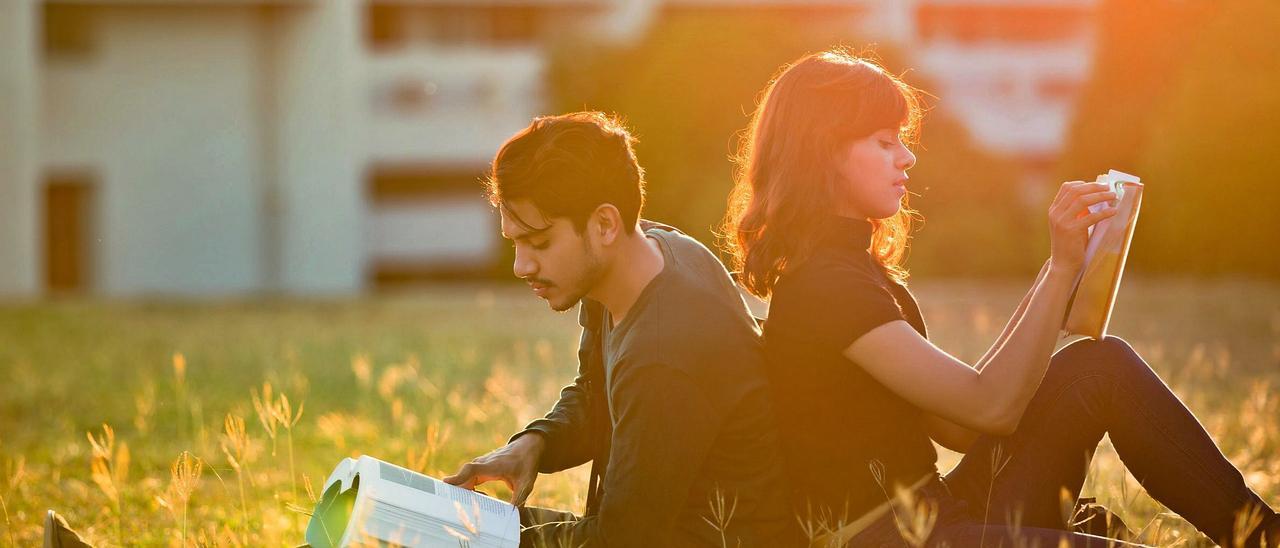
(368, 502)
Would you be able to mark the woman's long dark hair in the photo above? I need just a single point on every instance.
(786, 183)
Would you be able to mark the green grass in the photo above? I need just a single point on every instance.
(432, 378)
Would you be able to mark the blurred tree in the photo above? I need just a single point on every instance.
(689, 86)
(975, 222)
(1212, 154)
(1186, 94)
(1140, 46)
(686, 89)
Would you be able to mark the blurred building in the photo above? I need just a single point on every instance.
(1009, 70)
(230, 146)
(212, 147)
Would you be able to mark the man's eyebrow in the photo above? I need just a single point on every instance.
(526, 234)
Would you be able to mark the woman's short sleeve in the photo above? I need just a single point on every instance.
(832, 304)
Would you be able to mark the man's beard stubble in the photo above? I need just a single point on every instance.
(584, 282)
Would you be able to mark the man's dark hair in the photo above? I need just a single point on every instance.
(567, 166)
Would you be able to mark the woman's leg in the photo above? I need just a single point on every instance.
(1103, 387)
(979, 535)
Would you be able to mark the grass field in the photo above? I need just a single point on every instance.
(431, 378)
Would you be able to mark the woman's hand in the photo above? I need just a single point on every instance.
(1070, 219)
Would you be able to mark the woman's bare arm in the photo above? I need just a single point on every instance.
(1013, 320)
(990, 400)
(958, 438)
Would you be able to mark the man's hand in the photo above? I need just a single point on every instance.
(515, 464)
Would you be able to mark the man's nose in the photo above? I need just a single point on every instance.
(523, 266)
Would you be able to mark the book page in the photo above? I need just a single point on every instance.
(390, 504)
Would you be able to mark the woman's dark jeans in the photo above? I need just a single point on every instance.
(1092, 387)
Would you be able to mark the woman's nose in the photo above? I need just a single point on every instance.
(907, 159)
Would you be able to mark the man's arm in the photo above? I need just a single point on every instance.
(665, 428)
(561, 439)
(567, 428)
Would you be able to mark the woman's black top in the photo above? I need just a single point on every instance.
(836, 421)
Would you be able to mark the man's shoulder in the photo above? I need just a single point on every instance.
(680, 244)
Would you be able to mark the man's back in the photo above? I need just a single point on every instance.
(689, 406)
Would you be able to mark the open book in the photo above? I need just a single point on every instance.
(1095, 289)
(368, 502)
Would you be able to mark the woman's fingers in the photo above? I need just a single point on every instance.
(1068, 196)
(1064, 190)
(1067, 192)
(1080, 207)
(1092, 218)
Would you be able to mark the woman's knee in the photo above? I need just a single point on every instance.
(1109, 355)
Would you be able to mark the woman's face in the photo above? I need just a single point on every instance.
(873, 174)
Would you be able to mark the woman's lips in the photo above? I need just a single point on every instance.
(539, 289)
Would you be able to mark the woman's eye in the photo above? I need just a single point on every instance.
(886, 144)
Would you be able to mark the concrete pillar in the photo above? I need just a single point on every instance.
(319, 98)
(20, 204)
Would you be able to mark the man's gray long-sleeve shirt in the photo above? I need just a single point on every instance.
(672, 406)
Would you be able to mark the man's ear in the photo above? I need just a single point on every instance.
(605, 224)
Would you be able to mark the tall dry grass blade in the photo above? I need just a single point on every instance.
(144, 404)
(920, 517)
(877, 472)
(721, 516)
(184, 477)
(235, 445)
(264, 406)
(362, 368)
(998, 461)
(8, 525)
(1247, 520)
(109, 470)
(287, 417)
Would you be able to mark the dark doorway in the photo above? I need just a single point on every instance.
(68, 208)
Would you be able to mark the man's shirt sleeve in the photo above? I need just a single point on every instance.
(567, 428)
(664, 429)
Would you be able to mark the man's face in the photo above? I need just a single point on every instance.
(559, 263)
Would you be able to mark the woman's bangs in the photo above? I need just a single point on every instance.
(887, 104)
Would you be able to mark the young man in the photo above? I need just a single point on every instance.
(670, 402)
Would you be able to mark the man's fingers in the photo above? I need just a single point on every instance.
(520, 495)
(463, 475)
(471, 475)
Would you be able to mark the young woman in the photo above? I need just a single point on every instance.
(818, 224)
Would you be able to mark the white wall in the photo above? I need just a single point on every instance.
(473, 99)
(459, 231)
(161, 113)
(20, 217)
(316, 56)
